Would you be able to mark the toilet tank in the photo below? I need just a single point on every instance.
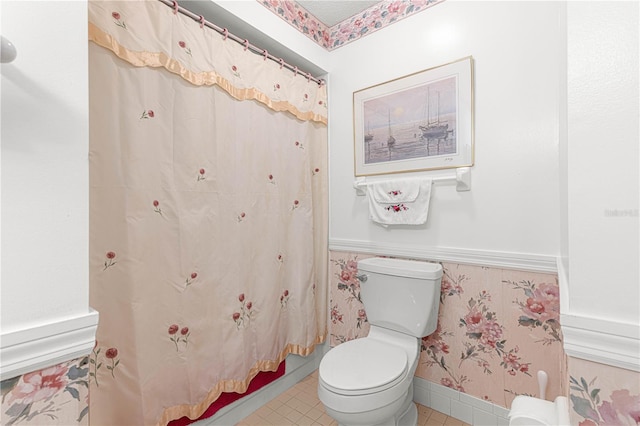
(401, 295)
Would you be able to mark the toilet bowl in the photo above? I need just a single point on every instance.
(369, 381)
(530, 411)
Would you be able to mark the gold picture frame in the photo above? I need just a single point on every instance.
(422, 121)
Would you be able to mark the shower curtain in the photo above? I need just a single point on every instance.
(208, 214)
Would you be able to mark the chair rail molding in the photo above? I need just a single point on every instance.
(41, 346)
(606, 342)
(498, 259)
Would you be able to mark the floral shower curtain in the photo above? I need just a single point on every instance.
(208, 214)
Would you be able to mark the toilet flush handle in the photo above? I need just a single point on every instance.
(362, 277)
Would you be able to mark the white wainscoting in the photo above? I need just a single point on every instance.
(41, 346)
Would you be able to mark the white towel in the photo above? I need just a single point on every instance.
(399, 201)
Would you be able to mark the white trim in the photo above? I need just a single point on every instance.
(606, 342)
(563, 283)
(34, 348)
(498, 259)
(459, 405)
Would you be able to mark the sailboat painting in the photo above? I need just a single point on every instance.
(423, 121)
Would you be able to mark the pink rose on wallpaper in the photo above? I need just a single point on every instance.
(434, 344)
(362, 318)
(289, 10)
(395, 10)
(336, 316)
(491, 333)
(312, 26)
(622, 409)
(544, 305)
(474, 321)
(541, 308)
(347, 277)
(625, 404)
(445, 381)
(39, 385)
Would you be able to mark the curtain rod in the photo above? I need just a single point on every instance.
(200, 19)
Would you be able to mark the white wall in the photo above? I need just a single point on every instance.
(603, 164)
(44, 164)
(513, 204)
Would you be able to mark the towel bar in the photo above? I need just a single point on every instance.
(462, 178)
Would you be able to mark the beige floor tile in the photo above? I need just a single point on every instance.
(452, 421)
(314, 413)
(437, 416)
(305, 421)
(276, 419)
(283, 410)
(294, 416)
(300, 406)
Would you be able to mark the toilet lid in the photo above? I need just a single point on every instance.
(363, 366)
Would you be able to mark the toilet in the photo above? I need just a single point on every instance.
(369, 381)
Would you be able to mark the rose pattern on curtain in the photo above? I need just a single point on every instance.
(208, 214)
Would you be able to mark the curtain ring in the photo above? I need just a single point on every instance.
(308, 77)
(201, 21)
(225, 32)
(175, 7)
(295, 71)
(281, 62)
(266, 54)
(246, 44)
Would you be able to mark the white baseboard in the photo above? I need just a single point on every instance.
(497, 259)
(41, 346)
(459, 405)
(297, 368)
(606, 342)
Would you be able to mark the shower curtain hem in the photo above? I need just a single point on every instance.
(195, 411)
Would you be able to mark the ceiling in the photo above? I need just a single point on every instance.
(331, 12)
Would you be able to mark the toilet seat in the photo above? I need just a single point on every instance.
(363, 366)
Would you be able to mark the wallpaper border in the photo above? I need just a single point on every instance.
(43, 345)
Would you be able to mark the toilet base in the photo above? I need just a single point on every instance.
(406, 415)
(409, 417)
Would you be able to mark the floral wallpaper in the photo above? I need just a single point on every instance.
(603, 395)
(496, 329)
(57, 395)
(372, 19)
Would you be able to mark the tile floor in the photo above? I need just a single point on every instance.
(300, 406)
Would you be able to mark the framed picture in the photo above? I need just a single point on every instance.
(423, 121)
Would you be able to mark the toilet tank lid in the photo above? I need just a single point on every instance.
(401, 267)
